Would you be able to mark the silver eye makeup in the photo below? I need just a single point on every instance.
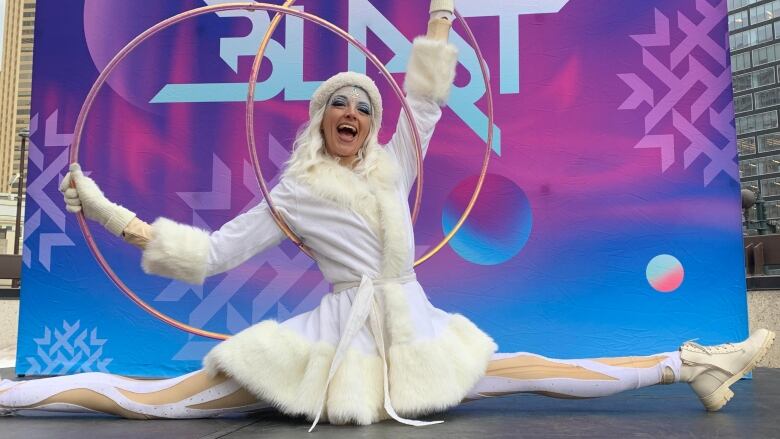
(364, 108)
(340, 101)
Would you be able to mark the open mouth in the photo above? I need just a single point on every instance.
(347, 133)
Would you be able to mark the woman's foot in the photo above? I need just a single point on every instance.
(5, 385)
(711, 370)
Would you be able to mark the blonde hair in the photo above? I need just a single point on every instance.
(309, 148)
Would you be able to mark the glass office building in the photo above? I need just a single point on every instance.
(754, 38)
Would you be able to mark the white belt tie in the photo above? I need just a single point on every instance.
(365, 308)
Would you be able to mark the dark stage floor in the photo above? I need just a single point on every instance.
(656, 412)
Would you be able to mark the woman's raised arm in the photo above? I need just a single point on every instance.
(429, 77)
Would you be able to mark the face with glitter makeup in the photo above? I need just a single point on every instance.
(346, 122)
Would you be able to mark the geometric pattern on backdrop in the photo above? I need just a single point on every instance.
(612, 192)
(665, 95)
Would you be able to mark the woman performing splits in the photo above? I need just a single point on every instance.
(375, 347)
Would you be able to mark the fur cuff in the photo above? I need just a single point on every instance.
(176, 251)
(431, 69)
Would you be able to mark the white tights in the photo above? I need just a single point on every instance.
(581, 378)
(197, 395)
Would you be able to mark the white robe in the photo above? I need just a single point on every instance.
(358, 228)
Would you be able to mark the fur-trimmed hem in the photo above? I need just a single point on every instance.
(176, 251)
(434, 375)
(281, 367)
(431, 69)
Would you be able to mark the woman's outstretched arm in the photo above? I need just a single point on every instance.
(180, 251)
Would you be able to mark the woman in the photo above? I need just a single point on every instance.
(375, 347)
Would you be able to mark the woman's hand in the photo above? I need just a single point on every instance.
(442, 14)
(86, 196)
(442, 9)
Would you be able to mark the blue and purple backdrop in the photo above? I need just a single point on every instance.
(609, 223)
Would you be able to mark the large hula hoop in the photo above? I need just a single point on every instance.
(280, 10)
(488, 146)
(250, 101)
(250, 110)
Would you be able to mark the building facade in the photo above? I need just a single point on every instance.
(15, 86)
(15, 94)
(754, 38)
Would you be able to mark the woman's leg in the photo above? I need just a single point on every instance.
(710, 370)
(583, 378)
(195, 395)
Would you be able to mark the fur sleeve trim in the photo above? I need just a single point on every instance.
(177, 251)
(431, 69)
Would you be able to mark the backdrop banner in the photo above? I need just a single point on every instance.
(609, 223)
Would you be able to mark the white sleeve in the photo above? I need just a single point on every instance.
(190, 254)
(246, 235)
(426, 114)
(429, 77)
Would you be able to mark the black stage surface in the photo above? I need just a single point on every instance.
(656, 412)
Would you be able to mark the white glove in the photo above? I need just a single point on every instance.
(88, 197)
(442, 9)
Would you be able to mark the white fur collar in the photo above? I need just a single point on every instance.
(376, 199)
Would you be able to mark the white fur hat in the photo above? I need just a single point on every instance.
(320, 97)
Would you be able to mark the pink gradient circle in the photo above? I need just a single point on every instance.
(665, 273)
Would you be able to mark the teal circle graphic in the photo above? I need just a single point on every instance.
(498, 227)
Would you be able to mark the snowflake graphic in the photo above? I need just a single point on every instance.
(668, 96)
(67, 351)
(50, 174)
